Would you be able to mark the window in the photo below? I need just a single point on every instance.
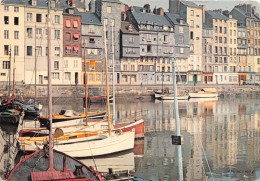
(29, 16)
(192, 12)
(38, 18)
(55, 75)
(216, 49)
(105, 21)
(56, 65)
(67, 23)
(112, 22)
(16, 9)
(57, 19)
(149, 48)
(182, 50)
(225, 39)
(192, 48)
(38, 50)
(92, 51)
(6, 34)
(67, 76)
(6, 8)
(109, 9)
(75, 36)
(6, 49)
(149, 37)
(165, 39)
(225, 30)
(181, 29)
(191, 35)
(16, 21)
(29, 32)
(181, 39)
(216, 29)
(29, 50)
(38, 32)
(220, 39)
(67, 36)
(91, 29)
(75, 49)
(192, 23)
(57, 51)
(91, 40)
(16, 35)
(6, 20)
(57, 34)
(68, 49)
(220, 29)
(75, 63)
(6, 64)
(75, 24)
(131, 40)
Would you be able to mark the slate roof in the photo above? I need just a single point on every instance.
(246, 15)
(205, 26)
(150, 18)
(76, 12)
(190, 4)
(89, 18)
(217, 15)
(175, 18)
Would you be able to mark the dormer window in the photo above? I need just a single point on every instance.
(130, 28)
(71, 11)
(91, 39)
(181, 21)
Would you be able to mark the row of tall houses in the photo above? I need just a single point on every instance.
(208, 46)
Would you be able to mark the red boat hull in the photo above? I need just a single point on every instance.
(137, 125)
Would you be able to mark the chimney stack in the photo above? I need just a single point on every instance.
(158, 11)
(174, 6)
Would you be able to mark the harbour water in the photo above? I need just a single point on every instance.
(220, 139)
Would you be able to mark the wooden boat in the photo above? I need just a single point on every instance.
(98, 100)
(10, 116)
(204, 93)
(171, 97)
(71, 116)
(36, 165)
(31, 110)
(157, 95)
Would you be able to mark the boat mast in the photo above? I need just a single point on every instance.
(107, 83)
(177, 122)
(50, 90)
(9, 88)
(35, 76)
(113, 83)
(86, 88)
(13, 78)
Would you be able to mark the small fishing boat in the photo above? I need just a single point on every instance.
(31, 109)
(70, 117)
(98, 100)
(36, 165)
(204, 93)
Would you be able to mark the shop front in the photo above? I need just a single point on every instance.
(195, 77)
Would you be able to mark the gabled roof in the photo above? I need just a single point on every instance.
(89, 18)
(175, 18)
(150, 18)
(217, 15)
(125, 28)
(246, 15)
(190, 4)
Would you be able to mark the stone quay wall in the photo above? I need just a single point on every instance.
(125, 91)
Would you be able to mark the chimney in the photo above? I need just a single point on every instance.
(92, 6)
(73, 3)
(254, 10)
(132, 8)
(218, 11)
(204, 9)
(174, 6)
(147, 8)
(158, 11)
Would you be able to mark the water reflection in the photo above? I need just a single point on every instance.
(221, 136)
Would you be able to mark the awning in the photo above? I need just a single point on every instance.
(75, 24)
(92, 63)
(68, 23)
(68, 47)
(76, 48)
(76, 35)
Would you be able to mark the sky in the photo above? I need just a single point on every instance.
(212, 4)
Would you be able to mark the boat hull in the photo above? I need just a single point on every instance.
(137, 125)
(203, 95)
(171, 97)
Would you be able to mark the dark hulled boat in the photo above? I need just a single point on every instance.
(36, 167)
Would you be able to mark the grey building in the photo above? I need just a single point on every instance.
(92, 36)
(181, 46)
(156, 44)
(207, 56)
(109, 13)
(130, 53)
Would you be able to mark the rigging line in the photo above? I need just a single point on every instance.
(37, 56)
(202, 147)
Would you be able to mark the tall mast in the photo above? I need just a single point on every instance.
(107, 83)
(86, 88)
(50, 89)
(13, 78)
(10, 62)
(35, 75)
(177, 122)
(113, 83)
